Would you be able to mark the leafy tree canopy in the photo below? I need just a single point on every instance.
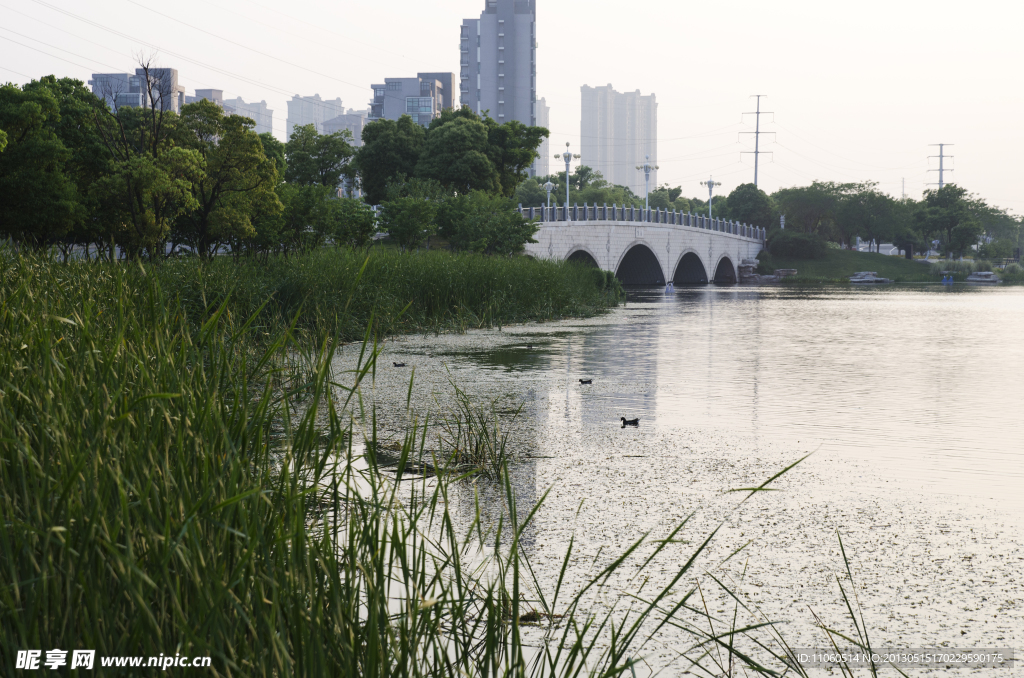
(751, 205)
(236, 182)
(315, 158)
(390, 148)
(40, 200)
(456, 155)
(274, 149)
(486, 223)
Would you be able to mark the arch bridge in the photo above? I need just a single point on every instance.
(646, 247)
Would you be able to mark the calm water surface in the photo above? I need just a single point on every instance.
(926, 384)
(909, 397)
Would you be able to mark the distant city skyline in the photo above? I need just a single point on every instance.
(842, 112)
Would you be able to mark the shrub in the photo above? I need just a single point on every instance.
(481, 222)
(797, 245)
(765, 265)
(1013, 273)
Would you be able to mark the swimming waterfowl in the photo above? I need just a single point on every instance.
(630, 422)
(398, 364)
(586, 381)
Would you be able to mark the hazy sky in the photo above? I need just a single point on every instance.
(859, 89)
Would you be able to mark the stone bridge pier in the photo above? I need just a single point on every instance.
(649, 248)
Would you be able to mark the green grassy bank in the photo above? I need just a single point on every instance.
(839, 265)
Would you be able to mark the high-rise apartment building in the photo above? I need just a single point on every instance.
(499, 61)
(311, 111)
(618, 131)
(541, 166)
(125, 89)
(258, 112)
(354, 121)
(423, 97)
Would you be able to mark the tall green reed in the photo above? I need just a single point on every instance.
(173, 484)
(339, 290)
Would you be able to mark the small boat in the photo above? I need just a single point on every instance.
(985, 277)
(868, 277)
(586, 381)
(630, 422)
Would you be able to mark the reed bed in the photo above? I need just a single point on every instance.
(341, 291)
(174, 485)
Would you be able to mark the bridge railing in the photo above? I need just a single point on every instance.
(605, 212)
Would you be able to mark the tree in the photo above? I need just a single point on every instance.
(808, 208)
(3, 140)
(481, 222)
(149, 181)
(274, 149)
(390, 148)
(531, 193)
(666, 197)
(950, 212)
(456, 156)
(868, 214)
(354, 222)
(40, 202)
(513, 148)
(409, 213)
(315, 158)
(237, 179)
(751, 205)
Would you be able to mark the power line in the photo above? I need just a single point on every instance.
(251, 49)
(157, 48)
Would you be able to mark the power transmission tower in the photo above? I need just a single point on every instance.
(757, 132)
(941, 156)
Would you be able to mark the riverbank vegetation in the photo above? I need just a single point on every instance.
(338, 293)
(836, 266)
(183, 485)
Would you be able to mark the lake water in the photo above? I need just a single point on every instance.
(909, 398)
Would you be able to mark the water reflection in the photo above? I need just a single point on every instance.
(922, 382)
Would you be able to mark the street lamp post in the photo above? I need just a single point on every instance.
(647, 167)
(568, 158)
(711, 187)
(548, 186)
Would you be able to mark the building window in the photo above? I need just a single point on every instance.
(419, 105)
(395, 86)
(425, 86)
(378, 91)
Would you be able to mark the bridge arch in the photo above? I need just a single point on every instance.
(639, 265)
(725, 272)
(690, 270)
(583, 256)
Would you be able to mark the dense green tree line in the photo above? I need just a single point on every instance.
(75, 172)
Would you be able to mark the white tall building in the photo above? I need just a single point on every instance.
(618, 131)
(542, 165)
(311, 111)
(260, 114)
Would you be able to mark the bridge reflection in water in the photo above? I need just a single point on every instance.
(646, 247)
